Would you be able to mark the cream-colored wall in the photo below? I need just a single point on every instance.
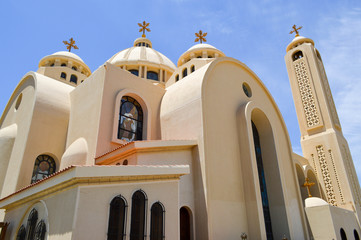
(42, 119)
(205, 105)
(62, 204)
(101, 196)
(55, 72)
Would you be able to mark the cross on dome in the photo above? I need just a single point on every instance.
(143, 27)
(200, 36)
(295, 30)
(70, 44)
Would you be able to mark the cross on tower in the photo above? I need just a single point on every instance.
(70, 44)
(295, 30)
(308, 184)
(200, 36)
(143, 27)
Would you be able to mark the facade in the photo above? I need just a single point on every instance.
(143, 149)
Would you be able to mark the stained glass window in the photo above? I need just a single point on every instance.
(137, 227)
(33, 218)
(117, 213)
(43, 167)
(130, 126)
(21, 233)
(40, 231)
(157, 222)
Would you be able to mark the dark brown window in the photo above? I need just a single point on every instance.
(33, 218)
(40, 231)
(117, 218)
(43, 167)
(73, 79)
(193, 68)
(137, 226)
(184, 73)
(185, 224)
(343, 234)
(157, 221)
(130, 126)
(21, 233)
(177, 78)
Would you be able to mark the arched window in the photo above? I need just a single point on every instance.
(40, 231)
(193, 68)
(297, 55)
(177, 78)
(185, 224)
(130, 126)
(63, 75)
(43, 167)
(184, 72)
(73, 78)
(21, 233)
(117, 217)
(152, 75)
(74, 68)
(63, 64)
(30, 229)
(343, 234)
(137, 227)
(157, 221)
(355, 234)
(134, 71)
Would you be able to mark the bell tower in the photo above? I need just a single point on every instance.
(322, 141)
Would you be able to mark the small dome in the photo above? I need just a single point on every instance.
(199, 50)
(63, 55)
(298, 41)
(142, 53)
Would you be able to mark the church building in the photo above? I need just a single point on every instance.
(143, 149)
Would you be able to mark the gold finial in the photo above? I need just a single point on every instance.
(71, 44)
(295, 30)
(308, 184)
(200, 36)
(143, 27)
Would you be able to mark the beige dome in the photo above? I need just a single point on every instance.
(142, 53)
(202, 50)
(65, 56)
(297, 41)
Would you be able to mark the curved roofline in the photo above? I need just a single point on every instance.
(194, 48)
(299, 40)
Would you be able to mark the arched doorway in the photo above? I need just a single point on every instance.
(269, 177)
(185, 224)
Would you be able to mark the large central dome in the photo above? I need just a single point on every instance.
(142, 60)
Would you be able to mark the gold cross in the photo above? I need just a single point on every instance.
(71, 44)
(143, 27)
(200, 36)
(308, 184)
(295, 30)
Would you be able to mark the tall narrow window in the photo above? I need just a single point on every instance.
(157, 222)
(185, 224)
(40, 231)
(117, 214)
(193, 68)
(21, 233)
(152, 75)
(33, 218)
(137, 227)
(73, 79)
(343, 234)
(130, 126)
(43, 167)
(262, 183)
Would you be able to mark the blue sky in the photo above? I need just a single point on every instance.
(254, 32)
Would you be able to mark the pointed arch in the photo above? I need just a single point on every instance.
(138, 215)
(21, 233)
(117, 218)
(157, 221)
(40, 231)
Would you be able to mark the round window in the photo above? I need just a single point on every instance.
(247, 90)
